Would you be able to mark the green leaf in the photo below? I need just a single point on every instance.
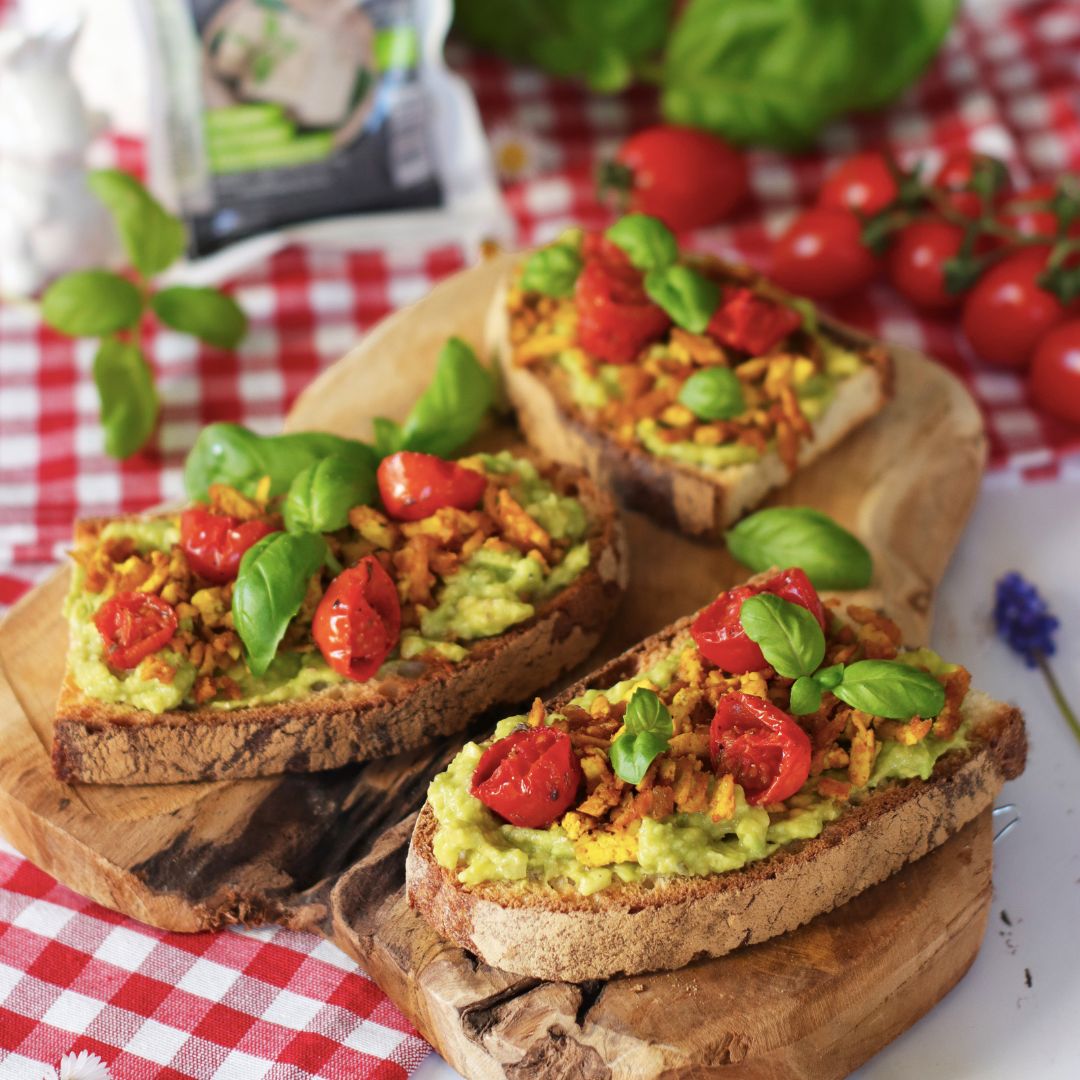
(688, 297)
(805, 696)
(129, 401)
(388, 436)
(91, 303)
(648, 728)
(713, 393)
(320, 497)
(152, 237)
(788, 536)
(790, 637)
(270, 587)
(209, 315)
(647, 241)
(552, 270)
(829, 677)
(450, 410)
(891, 689)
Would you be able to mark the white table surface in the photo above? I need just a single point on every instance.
(993, 1026)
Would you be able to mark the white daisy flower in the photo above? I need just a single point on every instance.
(80, 1066)
(518, 154)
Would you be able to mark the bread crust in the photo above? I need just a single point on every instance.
(697, 501)
(99, 743)
(630, 928)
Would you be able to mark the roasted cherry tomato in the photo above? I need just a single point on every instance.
(761, 746)
(863, 182)
(530, 778)
(414, 486)
(133, 625)
(1055, 372)
(1007, 312)
(752, 323)
(1031, 220)
(719, 634)
(822, 255)
(956, 174)
(916, 262)
(686, 178)
(358, 620)
(215, 543)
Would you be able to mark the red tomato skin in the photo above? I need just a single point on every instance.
(954, 176)
(686, 178)
(916, 263)
(530, 778)
(133, 625)
(1054, 381)
(413, 485)
(821, 254)
(751, 323)
(1007, 313)
(215, 543)
(764, 747)
(719, 634)
(358, 620)
(863, 183)
(1031, 222)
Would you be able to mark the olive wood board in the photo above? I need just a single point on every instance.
(326, 851)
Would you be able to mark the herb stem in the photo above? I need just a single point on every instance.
(1058, 694)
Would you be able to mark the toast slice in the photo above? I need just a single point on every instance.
(102, 743)
(666, 922)
(697, 500)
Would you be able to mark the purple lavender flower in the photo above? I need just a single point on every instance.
(1023, 619)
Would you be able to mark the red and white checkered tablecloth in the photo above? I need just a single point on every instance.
(277, 1004)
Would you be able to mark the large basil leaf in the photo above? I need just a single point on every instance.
(152, 237)
(891, 689)
(648, 729)
(552, 270)
(90, 303)
(129, 400)
(207, 314)
(321, 496)
(790, 638)
(270, 587)
(688, 297)
(649, 244)
(787, 536)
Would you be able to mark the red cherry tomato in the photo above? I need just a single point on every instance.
(1055, 372)
(719, 634)
(955, 176)
(215, 543)
(530, 778)
(414, 486)
(1006, 313)
(686, 178)
(863, 182)
(1031, 221)
(916, 262)
(761, 746)
(133, 625)
(752, 323)
(821, 255)
(358, 620)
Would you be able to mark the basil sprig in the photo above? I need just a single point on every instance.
(320, 497)
(688, 297)
(552, 270)
(714, 393)
(204, 313)
(891, 689)
(648, 730)
(788, 536)
(790, 638)
(648, 242)
(129, 400)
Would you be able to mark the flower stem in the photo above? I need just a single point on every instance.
(1058, 694)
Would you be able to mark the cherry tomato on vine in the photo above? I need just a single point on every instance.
(1031, 220)
(864, 183)
(956, 174)
(686, 178)
(1007, 312)
(215, 543)
(530, 778)
(761, 746)
(358, 621)
(719, 634)
(1054, 381)
(413, 486)
(133, 625)
(916, 262)
(821, 254)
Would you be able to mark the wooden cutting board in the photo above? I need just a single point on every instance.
(325, 851)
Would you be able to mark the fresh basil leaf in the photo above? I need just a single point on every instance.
(129, 400)
(152, 237)
(787, 536)
(891, 689)
(320, 497)
(91, 303)
(805, 696)
(790, 637)
(713, 393)
(452, 407)
(647, 241)
(829, 677)
(552, 270)
(209, 315)
(688, 297)
(270, 587)
(388, 436)
(648, 728)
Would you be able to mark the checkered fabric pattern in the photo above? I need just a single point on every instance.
(249, 1004)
